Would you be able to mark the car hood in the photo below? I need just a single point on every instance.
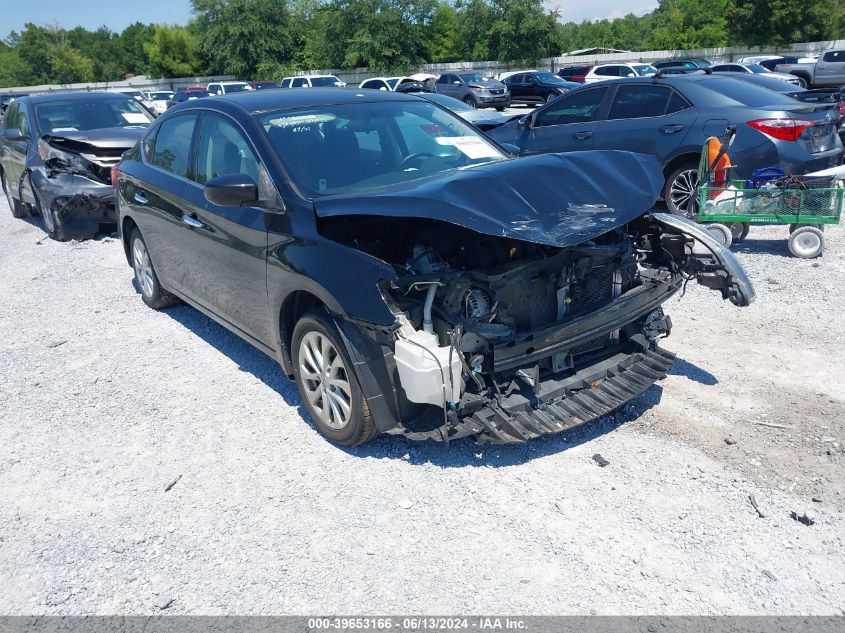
(553, 199)
(487, 83)
(105, 138)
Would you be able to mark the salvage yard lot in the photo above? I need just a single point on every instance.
(105, 403)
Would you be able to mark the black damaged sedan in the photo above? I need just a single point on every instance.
(409, 274)
(56, 155)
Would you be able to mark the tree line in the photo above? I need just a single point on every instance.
(265, 39)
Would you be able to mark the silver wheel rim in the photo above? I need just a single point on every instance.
(807, 243)
(143, 268)
(682, 190)
(325, 380)
(8, 187)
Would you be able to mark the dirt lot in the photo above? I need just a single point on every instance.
(105, 403)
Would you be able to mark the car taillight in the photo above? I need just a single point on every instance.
(782, 129)
(842, 107)
(114, 176)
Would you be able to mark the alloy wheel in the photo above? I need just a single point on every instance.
(143, 268)
(325, 380)
(682, 191)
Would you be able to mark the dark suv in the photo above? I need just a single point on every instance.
(537, 87)
(410, 274)
(671, 117)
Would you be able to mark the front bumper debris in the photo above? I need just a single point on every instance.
(559, 404)
(80, 203)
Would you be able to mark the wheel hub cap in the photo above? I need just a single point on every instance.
(682, 190)
(143, 268)
(325, 380)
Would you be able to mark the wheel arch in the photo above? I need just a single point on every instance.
(680, 159)
(294, 306)
(126, 227)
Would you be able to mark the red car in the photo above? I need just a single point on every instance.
(575, 73)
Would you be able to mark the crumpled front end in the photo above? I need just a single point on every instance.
(80, 203)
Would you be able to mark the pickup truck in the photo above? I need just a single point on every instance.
(828, 70)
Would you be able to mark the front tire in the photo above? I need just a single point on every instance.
(145, 275)
(680, 190)
(327, 382)
(15, 205)
(470, 101)
(803, 83)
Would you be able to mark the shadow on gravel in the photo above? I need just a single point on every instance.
(455, 455)
(465, 453)
(764, 247)
(693, 372)
(248, 358)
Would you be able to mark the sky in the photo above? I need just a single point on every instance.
(118, 14)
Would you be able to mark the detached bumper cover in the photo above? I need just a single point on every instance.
(560, 404)
(82, 204)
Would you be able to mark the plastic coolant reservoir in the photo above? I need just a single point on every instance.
(421, 375)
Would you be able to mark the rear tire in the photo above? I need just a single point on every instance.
(14, 205)
(328, 386)
(145, 276)
(679, 190)
(806, 242)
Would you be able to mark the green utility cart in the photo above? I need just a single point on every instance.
(805, 203)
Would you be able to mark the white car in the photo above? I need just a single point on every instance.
(159, 99)
(139, 95)
(312, 81)
(389, 84)
(227, 87)
(510, 73)
(615, 71)
(755, 69)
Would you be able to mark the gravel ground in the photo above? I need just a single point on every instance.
(105, 403)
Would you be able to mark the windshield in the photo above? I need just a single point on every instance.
(353, 147)
(455, 105)
(230, 88)
(72, 115)
(644, 69)
(549, 78)
(322, 82)
(468, 77)
(757, 68)
(162, 96)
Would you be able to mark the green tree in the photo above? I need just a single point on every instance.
(475, 19)
(68, 65)
(686, 24)
(14, 71)
(444, 34)
(172, 52)
(236, 36)
(134, 58)
(521, 31)
(782, 22)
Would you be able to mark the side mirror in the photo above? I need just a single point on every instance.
(231, 190)
(14, 134)
(513, 149)
(525, 122)
(456, 83)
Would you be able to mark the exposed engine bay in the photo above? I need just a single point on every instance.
(496, 326)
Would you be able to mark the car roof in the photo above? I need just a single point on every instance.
(266, 101)
(46, 97)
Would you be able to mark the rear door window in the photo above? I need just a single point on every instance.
(172, 149)
(834, 56)
(580, 107)
(639, 101)
(677, 103)
(299, 82)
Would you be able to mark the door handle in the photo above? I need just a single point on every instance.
(192, 221)
(140, 198)
(671, 129)
(582, 136)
